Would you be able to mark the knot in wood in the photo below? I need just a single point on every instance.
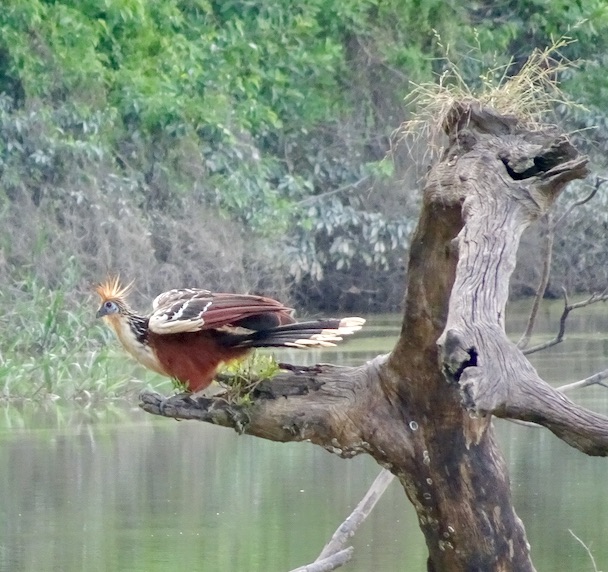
(455, 356)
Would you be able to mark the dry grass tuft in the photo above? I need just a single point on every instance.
(530, 95)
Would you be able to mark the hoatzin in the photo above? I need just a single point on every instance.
(191, 332)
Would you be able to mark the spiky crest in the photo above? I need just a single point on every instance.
(112, 289)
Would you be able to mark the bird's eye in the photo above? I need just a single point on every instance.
(109, 305)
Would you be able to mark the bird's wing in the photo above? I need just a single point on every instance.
(171, 297)
(192, 310)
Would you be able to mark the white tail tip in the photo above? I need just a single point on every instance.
(329, 337)
(349, 326)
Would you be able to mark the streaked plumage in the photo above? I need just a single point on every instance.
(191, 331)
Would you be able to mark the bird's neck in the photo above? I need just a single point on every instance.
(139, 327)
(132, 331)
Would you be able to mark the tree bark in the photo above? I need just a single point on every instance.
(424, 410)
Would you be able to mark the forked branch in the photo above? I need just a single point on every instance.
(549, 236)
(495, 177)
(568, 307)
(492, 374)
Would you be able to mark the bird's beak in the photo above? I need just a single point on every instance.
(101, 312)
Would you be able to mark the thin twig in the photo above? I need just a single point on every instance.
(373, 59)
(347, 529)
(542, 285)
(596, 297)
(599, 181)
(349, 186)
(560, 334)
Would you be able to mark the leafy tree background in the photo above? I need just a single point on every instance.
(250, 145)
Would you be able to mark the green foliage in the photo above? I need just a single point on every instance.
(241, 377)
(126, 119)
(40, 148)
(50, 349)
(342, 236)
(175, 69)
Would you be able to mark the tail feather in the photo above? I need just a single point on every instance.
(321, 333)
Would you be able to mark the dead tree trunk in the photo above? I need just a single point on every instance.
(424, 411)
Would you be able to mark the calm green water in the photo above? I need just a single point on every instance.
(115, 489)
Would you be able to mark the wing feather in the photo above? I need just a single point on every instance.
(192, 310)
(172, 296)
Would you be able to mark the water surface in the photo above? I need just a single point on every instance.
(115, 489)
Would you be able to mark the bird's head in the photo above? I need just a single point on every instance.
(113, 298)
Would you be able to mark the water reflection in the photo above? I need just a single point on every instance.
(114, 489)
(130, 492)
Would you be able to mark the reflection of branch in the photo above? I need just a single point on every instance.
(562, 321)
(587, 549)
(330, 563)
(334, 547)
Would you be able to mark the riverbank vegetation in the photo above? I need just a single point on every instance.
(247, 146)
(51, 348)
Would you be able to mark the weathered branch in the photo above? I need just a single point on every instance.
(361, 512)
(595, 379)
(326, 405)
(491, 372)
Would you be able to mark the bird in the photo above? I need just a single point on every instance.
(191, 332)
